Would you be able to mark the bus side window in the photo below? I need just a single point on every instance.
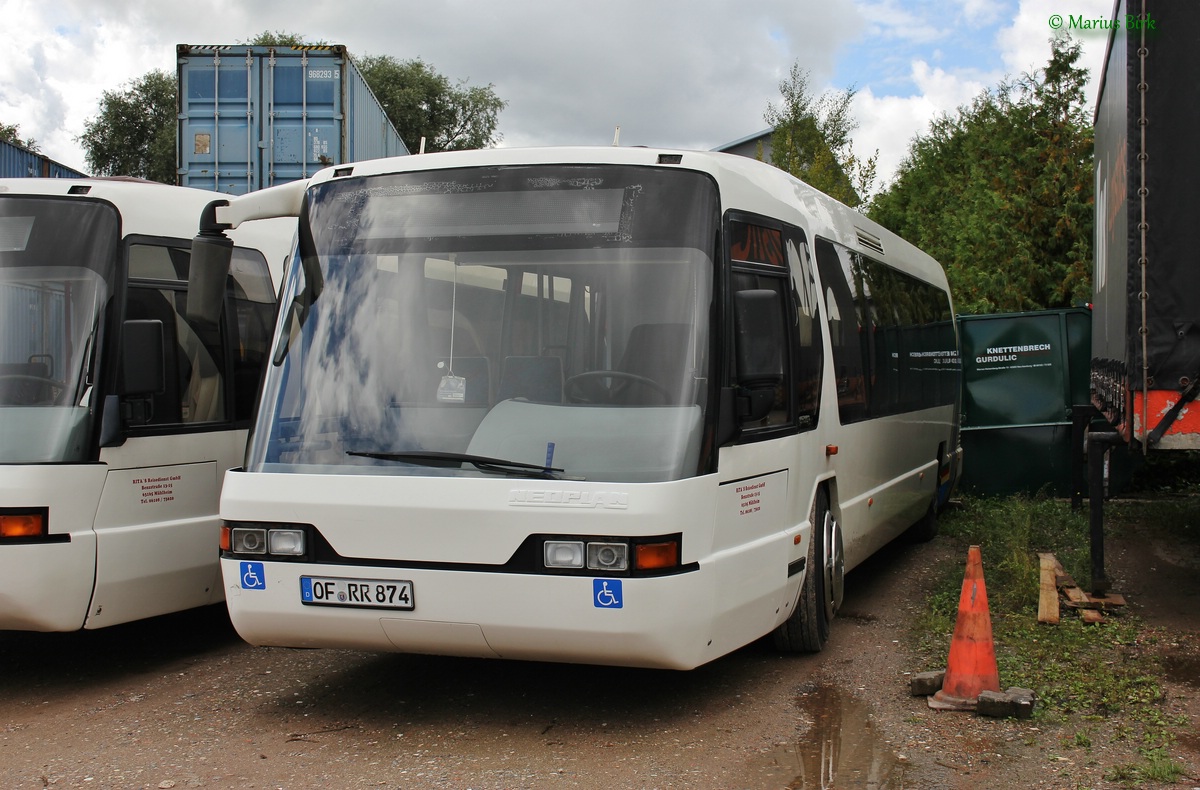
(846, 333)
(253, 321)
(751, 281)
(150, 304)
(760, 260)
(195, 359)
(810, 356)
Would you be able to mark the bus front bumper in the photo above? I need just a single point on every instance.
(657, 622)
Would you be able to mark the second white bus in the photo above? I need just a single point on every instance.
(119, 411)
(619, 406)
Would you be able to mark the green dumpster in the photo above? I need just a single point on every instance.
(1022, 374)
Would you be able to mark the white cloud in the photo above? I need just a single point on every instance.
(675, 73)
(70, 54)
(687, 74)
(1025, 44)
(888, 124)
(982, 12)
(898, 21)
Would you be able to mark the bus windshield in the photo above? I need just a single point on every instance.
(57, 265)
(534, 321)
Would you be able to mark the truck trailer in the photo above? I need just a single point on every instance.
(1145, 366)
(1146, 321)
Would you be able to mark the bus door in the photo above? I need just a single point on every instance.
(766, 481)
(157, 524)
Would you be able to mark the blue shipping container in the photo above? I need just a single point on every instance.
(252, 117)
(19, 162)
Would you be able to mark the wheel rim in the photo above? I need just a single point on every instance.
(835, 566)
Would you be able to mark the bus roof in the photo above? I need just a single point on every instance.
(746, 184)
(152, 209)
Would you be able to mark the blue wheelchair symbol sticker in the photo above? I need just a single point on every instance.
(254, 576)
(606, 593)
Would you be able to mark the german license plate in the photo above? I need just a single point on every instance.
(364, 593)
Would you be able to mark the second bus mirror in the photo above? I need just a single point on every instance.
(207, 273)
(759, 348)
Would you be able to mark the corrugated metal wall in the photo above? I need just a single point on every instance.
(252, 116)
(38, 334)
(19, 162)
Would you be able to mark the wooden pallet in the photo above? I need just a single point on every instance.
(1056, 581)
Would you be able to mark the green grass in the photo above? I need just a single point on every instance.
(1077, 670)
(1084, 675)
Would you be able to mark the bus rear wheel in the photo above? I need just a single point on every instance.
(807, 630)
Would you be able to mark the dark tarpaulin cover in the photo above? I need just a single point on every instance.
(1172, 178)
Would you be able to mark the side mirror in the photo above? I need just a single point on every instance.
(212, 252)
(207, 274)
(759, 344)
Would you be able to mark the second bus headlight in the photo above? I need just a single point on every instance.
(607, 556)
(249, 540)
(286, 541)
(564, 554)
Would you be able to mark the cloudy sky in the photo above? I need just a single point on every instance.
(694, 74)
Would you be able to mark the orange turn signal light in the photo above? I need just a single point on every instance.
(652, 556)
(226, 541)
(23, 525)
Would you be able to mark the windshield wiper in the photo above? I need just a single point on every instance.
(480, 462)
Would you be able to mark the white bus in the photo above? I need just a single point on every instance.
(616, 406)
(119, 413)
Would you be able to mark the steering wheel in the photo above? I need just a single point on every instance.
(23, 389)
(580, 389)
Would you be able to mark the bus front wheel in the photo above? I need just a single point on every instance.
(807, 630)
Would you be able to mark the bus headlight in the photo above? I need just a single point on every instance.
(564, 554)
(581, 555)
(249, 541)
(286, 541)
(607, 556)
(258, 539)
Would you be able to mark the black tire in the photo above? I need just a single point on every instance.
(807, 630)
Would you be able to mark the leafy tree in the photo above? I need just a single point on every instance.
(422, 103)
(1001, 192)
(12, 133)
(279, 38)
(134, 134)
(811, 139)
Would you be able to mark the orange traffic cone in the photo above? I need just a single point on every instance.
(971, 668)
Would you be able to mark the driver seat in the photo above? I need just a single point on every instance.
(658, 352)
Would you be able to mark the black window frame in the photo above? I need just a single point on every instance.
(875, 285)
(782, 272)
(239, 407)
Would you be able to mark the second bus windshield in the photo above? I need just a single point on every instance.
(553, 317)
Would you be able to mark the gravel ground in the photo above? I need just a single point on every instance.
(181, 702)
